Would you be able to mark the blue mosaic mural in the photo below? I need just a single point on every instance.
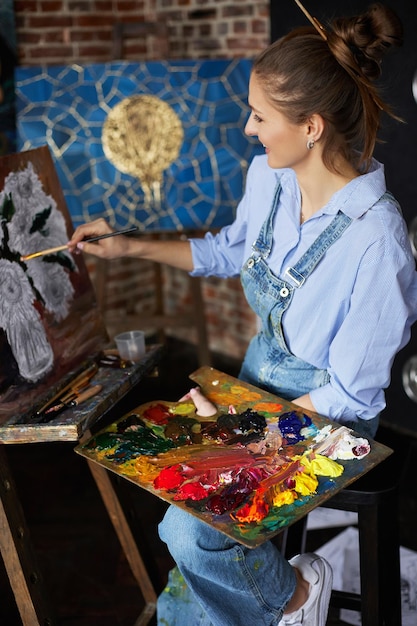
(68, 107)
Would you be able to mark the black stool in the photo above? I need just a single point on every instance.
(375, 498)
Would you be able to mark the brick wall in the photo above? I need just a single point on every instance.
(62, 31)
(57, 32)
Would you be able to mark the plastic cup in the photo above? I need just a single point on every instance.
(131, 345)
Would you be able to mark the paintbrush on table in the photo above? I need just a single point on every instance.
(51, 413)
(34, 255)
(68, 397)
(78, 382)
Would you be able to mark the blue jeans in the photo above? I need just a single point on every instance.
(223, 583)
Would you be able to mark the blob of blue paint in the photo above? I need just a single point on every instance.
(291, 423)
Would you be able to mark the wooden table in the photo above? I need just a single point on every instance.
(16, 548)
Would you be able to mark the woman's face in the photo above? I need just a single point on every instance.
(285, 143)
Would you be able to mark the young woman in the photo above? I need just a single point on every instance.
(325, 262)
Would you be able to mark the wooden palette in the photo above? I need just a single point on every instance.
(233, 478)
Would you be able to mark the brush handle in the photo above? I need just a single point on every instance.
(76, 383)
(34, 255)
(52, 413)
(85, 395)
(125, 231)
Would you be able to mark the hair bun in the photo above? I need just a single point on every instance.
(366, 38)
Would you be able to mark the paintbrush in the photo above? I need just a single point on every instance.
(51, 413)
(69, 396)
(34, 255)
(76, 383)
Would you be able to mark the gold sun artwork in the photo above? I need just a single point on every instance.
(142, 136)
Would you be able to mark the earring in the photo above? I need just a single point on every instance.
(310, 144)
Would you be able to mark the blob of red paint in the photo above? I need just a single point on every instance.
(157, 413)
(192, 491)
(169, 478)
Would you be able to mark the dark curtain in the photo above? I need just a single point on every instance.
(8, 61)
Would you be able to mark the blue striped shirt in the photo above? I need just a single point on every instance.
(354, 312)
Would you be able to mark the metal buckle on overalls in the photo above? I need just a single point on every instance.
(297, 278)
(259, 251)
(254, 258)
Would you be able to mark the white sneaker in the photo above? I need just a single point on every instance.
(317, 571)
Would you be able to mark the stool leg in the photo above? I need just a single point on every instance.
(380, 562)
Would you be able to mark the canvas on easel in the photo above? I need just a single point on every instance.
(49, 320)
(51, 335)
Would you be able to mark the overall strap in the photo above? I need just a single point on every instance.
(388, 196)
(310, 259)
(263, 243)
(297, 274)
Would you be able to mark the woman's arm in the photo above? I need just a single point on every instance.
(174, 253)
(305, 402)
(213, 255)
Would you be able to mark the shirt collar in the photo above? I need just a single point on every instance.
(354, 200)
(360, 194)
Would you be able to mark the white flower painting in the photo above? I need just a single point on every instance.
(30, 221)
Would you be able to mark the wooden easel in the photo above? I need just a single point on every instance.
(81, 336)
(20, 561)
(17, 551)
(18, 554)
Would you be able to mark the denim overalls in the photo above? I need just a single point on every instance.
(268, 362)
(225, 583)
